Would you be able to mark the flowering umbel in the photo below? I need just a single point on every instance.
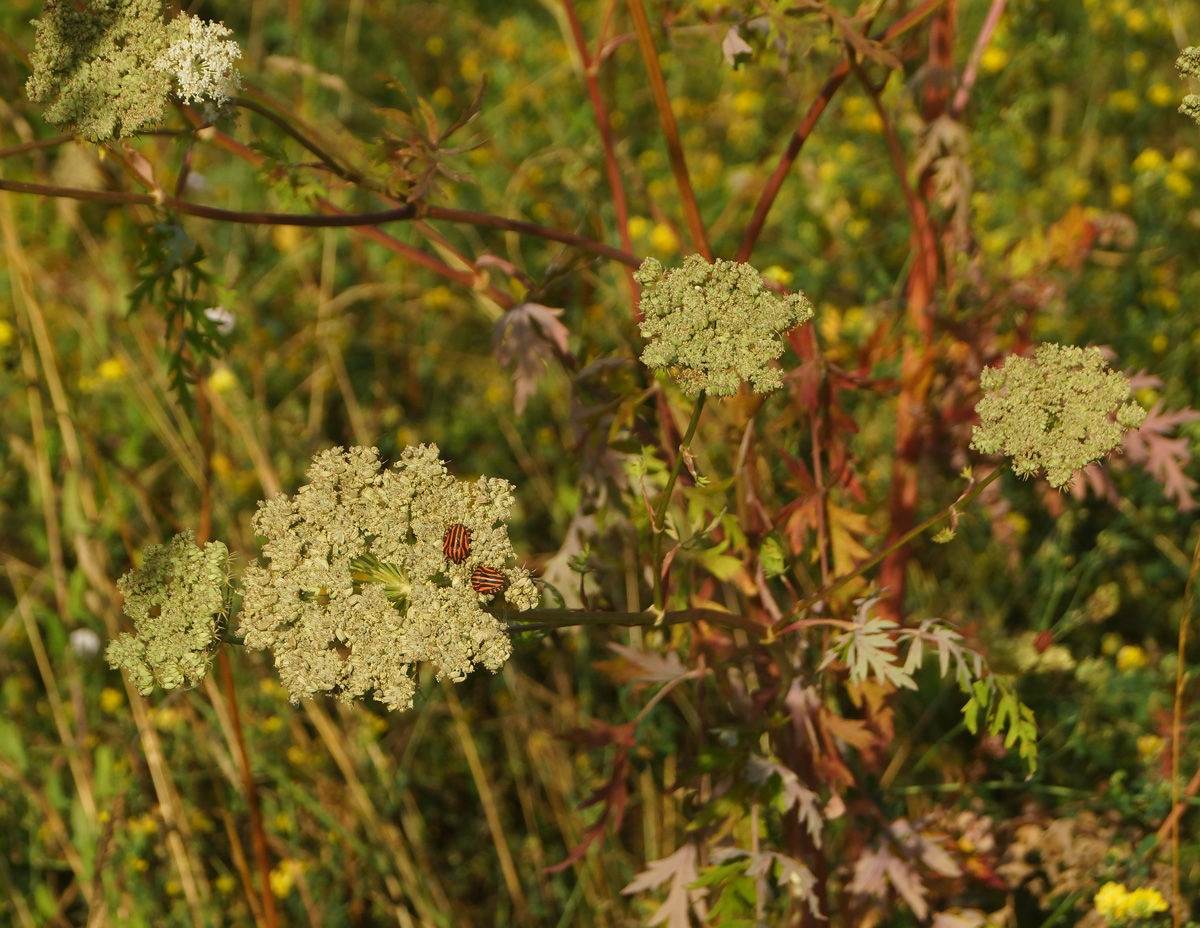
(715, 325)
(1059, 411)
(359, 591)
(176, 599)
(1188, 64)
(109, 65)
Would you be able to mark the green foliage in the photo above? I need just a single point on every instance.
(945, 214)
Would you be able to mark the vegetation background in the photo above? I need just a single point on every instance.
(975, 186)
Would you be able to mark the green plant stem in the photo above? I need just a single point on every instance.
(665, 500)
(862, 568)
(1181, 678)
(569, 618)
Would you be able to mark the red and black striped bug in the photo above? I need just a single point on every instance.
(487, 580)
(456, 543)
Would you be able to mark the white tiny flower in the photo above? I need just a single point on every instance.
(224, 319)
(202, 59)
(85, 643)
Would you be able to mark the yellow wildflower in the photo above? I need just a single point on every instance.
(1120, 195)
(993, 59)
(7, 333)
(443, 96)
(111, 699)
(1150, 746)
(1124, 100)
(1131, 657)
(778, 274)
(662, 238)
(1136, 20)
(1160, 94)
(1178, 183)
(1148, 160)
(222, 380)
(112, 370)
(435, 45)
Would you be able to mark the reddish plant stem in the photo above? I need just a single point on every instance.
(591, 67)
(917, 359)
(666, 117)
(832, 83)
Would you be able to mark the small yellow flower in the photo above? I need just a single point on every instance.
(1143, 903)
(747, 102)
(1148, 160)
(283, 877)
(7, 333)
(112, 370)
(1136, 20)
(286, 238)
(435, 45)
(469, 68)
(1111, 900)
(173, 887)
(1078, 188)
(140, 865)
(1178, 184)
(638, 226)
(270, 724)
(1150, 746)
(438, 297)
(1184, 159)
(222, 380)
(1159, 343)
(1120, 195)
(1160, 94)
(225, 884)
(663, 240)
(443, 96)
(1110, 644)
(778, 274)
(993, 59)
(221, 466)
(1131, 657)
(871, 122)
(111, 699)
(1136, 61)
(1124, 100)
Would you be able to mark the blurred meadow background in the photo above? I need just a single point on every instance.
(1024, 178)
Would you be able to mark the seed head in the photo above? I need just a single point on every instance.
(715, 325)
(1059, 411)
(1188, 64)
(176, 600)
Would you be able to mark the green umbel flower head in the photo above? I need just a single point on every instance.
(359, 591)
(1188, 64)
(109, 65)
(176, 600)
(715, 325)
(1054, 412)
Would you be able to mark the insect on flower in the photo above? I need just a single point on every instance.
(456, 543)
(487, 580)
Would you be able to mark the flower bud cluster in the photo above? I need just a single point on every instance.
(715, 325)
(1058, 412)
(1188, 64)
(176, 599)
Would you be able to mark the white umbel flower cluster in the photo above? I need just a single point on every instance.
(201, 59)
